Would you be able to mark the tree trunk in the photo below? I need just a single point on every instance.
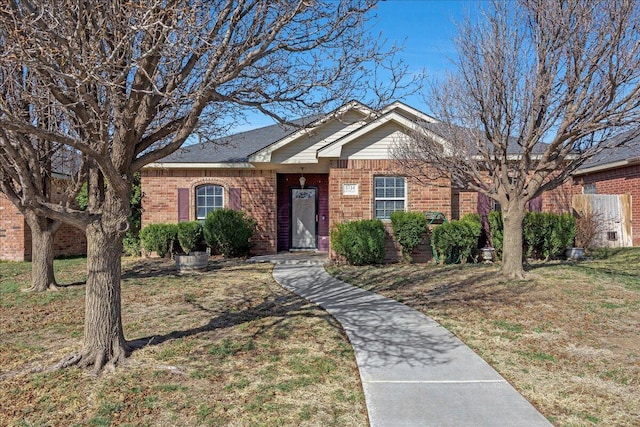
(42, 232)
(512, 218)
(104, 342)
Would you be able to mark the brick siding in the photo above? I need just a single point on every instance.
(258, 197)
(435, 196)
(15, 236)
(12, 231)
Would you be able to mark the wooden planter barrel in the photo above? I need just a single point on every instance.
(193, 262)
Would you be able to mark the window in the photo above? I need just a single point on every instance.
(208, 198)
(389, 195)
(588, 189)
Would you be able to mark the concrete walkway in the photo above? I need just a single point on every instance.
(414, 372)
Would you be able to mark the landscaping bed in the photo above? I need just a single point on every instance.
(568, 338)
(226, 346)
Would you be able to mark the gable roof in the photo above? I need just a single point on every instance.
(236, 148)
(257, 145)
(264, 154)
(334, 149)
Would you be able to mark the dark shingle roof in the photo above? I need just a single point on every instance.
(443, 129)
(629, 151)
(235, 148)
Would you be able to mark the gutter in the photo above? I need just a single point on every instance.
(607, 166)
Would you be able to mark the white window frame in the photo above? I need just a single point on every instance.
(208, 208)
(377, 199)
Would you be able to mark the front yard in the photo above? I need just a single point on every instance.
(223, 347)
(230, 347)
(568, 339)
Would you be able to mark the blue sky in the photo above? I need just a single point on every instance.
(426, 29)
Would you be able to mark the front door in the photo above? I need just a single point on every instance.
(303, 218)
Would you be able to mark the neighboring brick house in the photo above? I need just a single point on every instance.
(348, 173)
(15, 236)
(615, 172)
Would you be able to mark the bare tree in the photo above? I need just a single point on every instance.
(541, 86)
(134, 79)
(27, 168)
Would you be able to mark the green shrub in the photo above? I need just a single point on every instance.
(473, 217)
(497, 232)
(229, 232)
(547, 235)
(456, 241)
(536, 233)
(159, 238)
(564, 233)
(409, 229)
(131, 245)
(189, 235)
(544, 235)
(360, 242)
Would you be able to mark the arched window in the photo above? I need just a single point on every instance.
(208, 198)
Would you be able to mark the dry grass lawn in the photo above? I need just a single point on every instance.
(224, 347)
(568, 338)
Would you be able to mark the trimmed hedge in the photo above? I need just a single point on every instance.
(159, 238)
(544, 235)
(409, 229)
(360, 242)
(189, 235)
(456, 241)
(547, 235)
(229, 232)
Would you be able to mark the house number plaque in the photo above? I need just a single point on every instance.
(350, 189)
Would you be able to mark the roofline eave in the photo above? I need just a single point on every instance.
(218, 165)
(607, 166)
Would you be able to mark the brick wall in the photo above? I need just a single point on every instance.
(463, 202)
(12, 231)
(435, 196)
(558, 200)
(15, 236)
(625, 180)
(258, 197)
(69, 241)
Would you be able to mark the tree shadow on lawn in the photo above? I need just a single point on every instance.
(480, 291)
(280, 308)
(71, 285)
(448, 285)
(588, 266)
(156, 267)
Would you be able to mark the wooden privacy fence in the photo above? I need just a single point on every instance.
(613, 215)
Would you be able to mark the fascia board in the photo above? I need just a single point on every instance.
(241, 165)
(607, 166)
(397, 105)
